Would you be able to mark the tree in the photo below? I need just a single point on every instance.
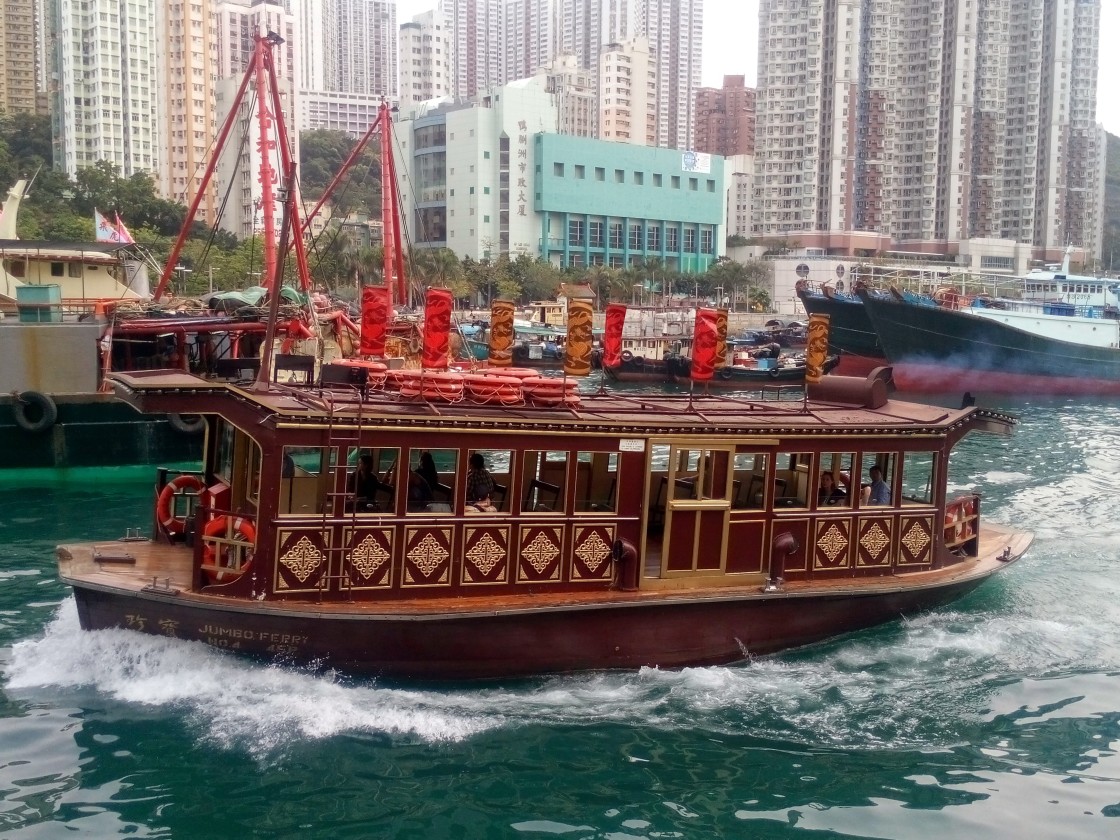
(322, 154)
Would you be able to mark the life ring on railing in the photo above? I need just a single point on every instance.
(241, 528)
(954, 522)
(183, 426)
(43, 414)
(165, 510)
(504, 390)
(627, 356)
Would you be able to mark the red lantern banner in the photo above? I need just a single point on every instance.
(437, 328)
(577, 347)
(501, 333)
(376, 312)
(704, 341)
(612, 335)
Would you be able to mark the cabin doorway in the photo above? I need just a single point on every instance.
(697, 492)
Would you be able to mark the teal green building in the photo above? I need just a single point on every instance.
(615, 204)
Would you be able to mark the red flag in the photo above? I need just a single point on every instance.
(704, 342)
(375, 320)
(437, 328)
(612, 335)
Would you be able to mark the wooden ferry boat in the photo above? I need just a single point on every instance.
(621, 531)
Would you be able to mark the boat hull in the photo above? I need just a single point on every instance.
(938, 350)
(850, 332)
(639, 370)
(703, 629)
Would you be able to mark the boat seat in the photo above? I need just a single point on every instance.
(607, 503)
(299, 367)
(498, 497)
(345, 377)
(237, 370)
(542, 495)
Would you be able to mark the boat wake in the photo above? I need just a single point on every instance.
(928, 680)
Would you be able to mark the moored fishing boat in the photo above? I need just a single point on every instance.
(615, 531)
(850, 334)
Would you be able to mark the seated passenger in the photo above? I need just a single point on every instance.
(363, 484)
(419, 491)
(830, 493)
(480, 484)
(877, 492)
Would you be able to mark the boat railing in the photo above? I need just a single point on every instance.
(962, 525)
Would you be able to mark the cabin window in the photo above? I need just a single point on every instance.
(74, 269)
(223, 460)
(597, 482)
(872, 493)
(371, 480)
(305, 479)
(253, 470)
(57, 269)
(701, 474)
(17, 268)
(499, 464)
(750, 478)
(792, 474)
(837, 491)
(917, 478)
(432, 480)
(544, 476)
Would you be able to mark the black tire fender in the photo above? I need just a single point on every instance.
(34, 412)
(187, 424)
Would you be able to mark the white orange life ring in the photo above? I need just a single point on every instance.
(235, 526)
(443, 386)
(165, 505)
(504, 390)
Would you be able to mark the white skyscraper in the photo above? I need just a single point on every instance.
(675, 29)
(425, 58)
(104, 102)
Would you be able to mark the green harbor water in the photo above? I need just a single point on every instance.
(998, 717)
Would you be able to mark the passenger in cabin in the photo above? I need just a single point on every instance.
(363, 484)
(877, 492)
(427, 470)
(830, 493)
(419, 491)
(480, 484)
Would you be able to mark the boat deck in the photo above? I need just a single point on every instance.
(163, 571)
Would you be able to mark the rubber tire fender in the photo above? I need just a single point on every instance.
(43, 415)
(184, 426)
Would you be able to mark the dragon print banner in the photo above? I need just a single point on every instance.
(501, 333)
(437, 328)
(721, 338)
(376, 312)
(577, 348)
(816, 351)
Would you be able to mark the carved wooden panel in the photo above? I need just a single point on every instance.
(540, 549)
(428, 550)
(915, 541)
(301, 563)
(873, 543)
(591, 552)
(367, 558)
(832, 544)
(485, 555)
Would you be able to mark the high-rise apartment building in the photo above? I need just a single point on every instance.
(576, 95)
(104, 95)
(674, 29)
(627, 88)
(725, 118)
(17, 57)
(897, 125)
(425, 58)
(185, 82)
(477, 35)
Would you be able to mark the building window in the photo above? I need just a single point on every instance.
(656, 180)
(575, 232)
(639, 178)
(619, 176)
(671, 239)
(558, 170)
(635, 237)
(580, 172)
(616, 235)
(675, 182)
(600, 173)
(595, 234)
(653, 239)
(707, 242)
(689, 241)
